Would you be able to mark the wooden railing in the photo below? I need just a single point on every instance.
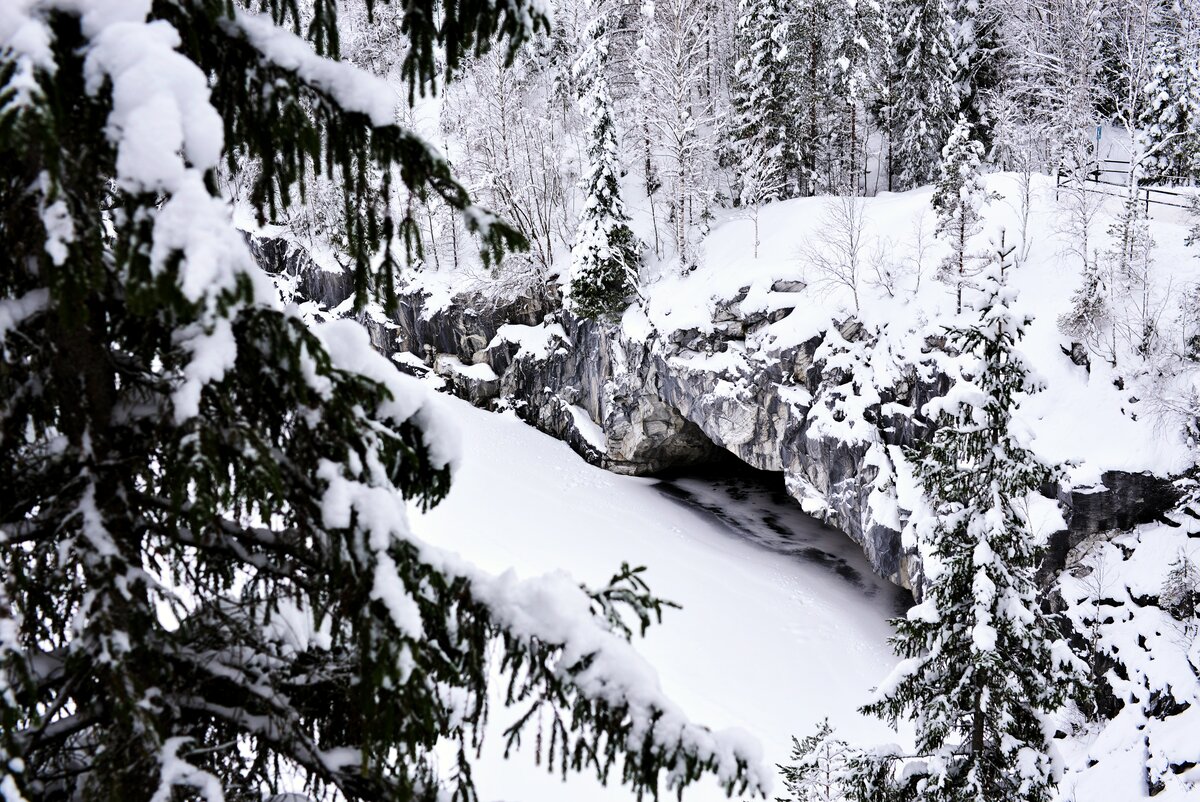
(1094, 181)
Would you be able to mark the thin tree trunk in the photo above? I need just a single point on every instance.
(977, 720)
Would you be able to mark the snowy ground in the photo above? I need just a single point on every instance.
(782, 624)
(1092, 420)
(1085, 420)
(1113, 595)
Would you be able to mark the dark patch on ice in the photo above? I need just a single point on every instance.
(755, 506)
(738, 509)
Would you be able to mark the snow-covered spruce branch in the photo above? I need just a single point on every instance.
(570, 658)
(210, 495)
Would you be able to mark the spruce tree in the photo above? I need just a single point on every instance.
(978, 48)
(1180, 594)
(207, 584)
(883, 105)
(925, 100)
(812, 36)
(763, 127)
(1089, 319)
(1129, 265)
(604, 260)
(1170, 113)
(1193, 212)
(820, 768)
(857, 35)
(958, 200)
(982, 664)
(836, 40)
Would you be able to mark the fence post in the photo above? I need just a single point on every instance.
(1147, 201)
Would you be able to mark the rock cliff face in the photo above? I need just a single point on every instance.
(646, 403)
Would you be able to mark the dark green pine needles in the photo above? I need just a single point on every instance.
(605, 258)
(208, 583)
(983, 666)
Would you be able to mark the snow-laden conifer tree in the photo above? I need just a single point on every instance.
(1193, 211)
(764, 126)
(1170, 116)
(831, 81)
(883, 104)
(1128, 265)
(820, 767)
(811, 41)
(604, 258)
(1089, 319)
(857, 35)
(924, 99)
(978, 49)
(1180, 594)
(982, 663)
(959, 199)
(208, 588)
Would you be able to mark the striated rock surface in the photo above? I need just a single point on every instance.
(645, 401)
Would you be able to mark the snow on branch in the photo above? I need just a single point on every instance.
(354, 89)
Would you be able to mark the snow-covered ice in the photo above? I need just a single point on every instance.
(782, 621)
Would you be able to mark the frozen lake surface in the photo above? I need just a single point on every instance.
(782, 622)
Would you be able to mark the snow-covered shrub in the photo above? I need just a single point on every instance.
(1180, 594)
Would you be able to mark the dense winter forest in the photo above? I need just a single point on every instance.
(870, 329)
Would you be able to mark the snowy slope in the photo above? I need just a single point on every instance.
(1152, 745)
(1084, 419)
(782, 621)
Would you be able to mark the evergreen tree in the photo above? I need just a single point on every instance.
(925, 100)
(1180, 594)
(857, 33)
(820, 767)
(1089, 320)
(604, 260)
(764, 127)
(802, 93)
(884, 104)
(977, 63)
(982, 664)
(1170, 115)
(206, 580)
(1129, 272)
(959, 199)
(811, 41)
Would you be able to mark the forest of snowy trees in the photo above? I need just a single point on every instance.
(210, 588)
(718, 104)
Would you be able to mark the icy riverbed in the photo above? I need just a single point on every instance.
(753, 505)
(782, 624)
